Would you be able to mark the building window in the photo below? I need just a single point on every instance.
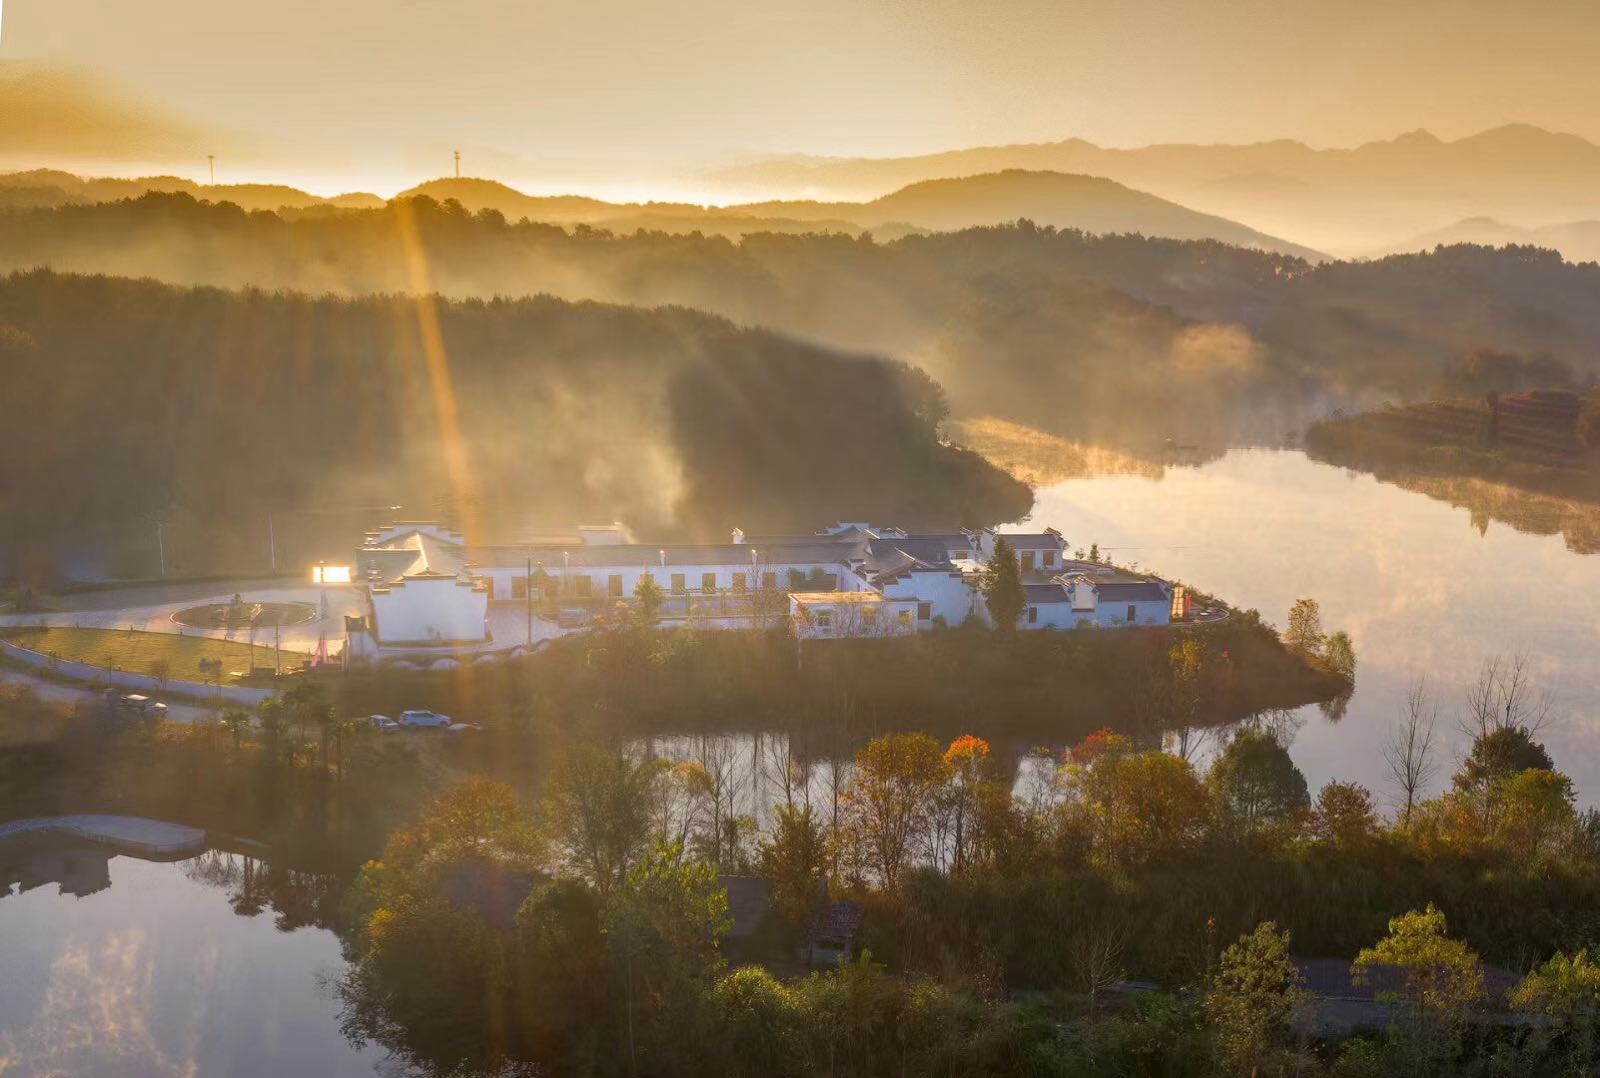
(708, 581)
(905, 619)
(1048, 557)
(582, 587)
(614, 586)
(1027, 561)
(824, 619)
(769, 581)
(737, 580)
(1133, 614)
(519, 587)
(924, 611)
(869, 616)
(1033, 615)
(678, 585)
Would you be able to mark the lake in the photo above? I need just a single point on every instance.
(151, 973)
(1421, 590)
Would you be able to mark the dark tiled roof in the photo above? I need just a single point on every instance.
(1032, 541)
(1131, 591)
(1040, 594)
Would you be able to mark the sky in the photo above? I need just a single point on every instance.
(375, 94)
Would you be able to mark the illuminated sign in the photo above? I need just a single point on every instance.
(330, 574)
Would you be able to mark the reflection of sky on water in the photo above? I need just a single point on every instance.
(1415, 585)
(156, 976)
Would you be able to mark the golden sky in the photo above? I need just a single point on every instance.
(375, 93)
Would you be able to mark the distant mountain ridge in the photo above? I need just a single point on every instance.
(1348, 201)
(1578, 241)
(1087, 203)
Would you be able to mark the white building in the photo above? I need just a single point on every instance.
(428, 588)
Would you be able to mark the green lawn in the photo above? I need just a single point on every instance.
(140, 652)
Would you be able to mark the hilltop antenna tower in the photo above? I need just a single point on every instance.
(458, 164)
(211, 163)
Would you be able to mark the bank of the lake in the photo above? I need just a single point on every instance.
(1424, 589)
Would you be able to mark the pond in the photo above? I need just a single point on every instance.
(118, 966)
(1426, 590)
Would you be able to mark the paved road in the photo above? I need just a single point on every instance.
(63, 693)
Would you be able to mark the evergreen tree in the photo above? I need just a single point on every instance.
(1002, 586)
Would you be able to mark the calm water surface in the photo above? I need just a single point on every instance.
(153, 974)
(1419, 589)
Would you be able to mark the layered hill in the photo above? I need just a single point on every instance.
(1346, 200)
(1578, 241)
(206, 409)
(1086, 203)
(1120, 338)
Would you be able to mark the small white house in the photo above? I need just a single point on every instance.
(840, 614)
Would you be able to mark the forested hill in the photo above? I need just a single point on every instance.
(1117, 338)
(133, 401)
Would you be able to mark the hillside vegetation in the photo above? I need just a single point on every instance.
(134, 402)
(1119, 338)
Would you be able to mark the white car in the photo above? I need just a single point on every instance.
(382, 723)
(462, 728)
(425, 719)
(143, 705)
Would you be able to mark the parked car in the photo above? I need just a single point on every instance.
(143, 705)
(462, 728)
(419, 718)
(382, 722)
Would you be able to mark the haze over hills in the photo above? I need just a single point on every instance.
(1578, 241)
(1086, 203)
(1348, 201)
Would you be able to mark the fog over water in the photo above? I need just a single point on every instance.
(1420, 590)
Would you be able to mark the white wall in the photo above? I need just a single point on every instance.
(429, 608)
(600, 577)
(948, 594)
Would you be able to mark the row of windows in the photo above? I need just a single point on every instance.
(1033, 614)
(582, 585)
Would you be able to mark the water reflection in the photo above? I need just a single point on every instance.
(1421, 594)
(118, 966)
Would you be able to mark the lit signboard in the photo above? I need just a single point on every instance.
(330, 574)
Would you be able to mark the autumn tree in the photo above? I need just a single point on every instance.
(1137, 806)
(1002, 586)
(889, 800)
(1409, 748)
(1441, 980)
(794, 858)
(966, 760)
(1304, 634)
(1253, 996)
(1499, 754)
(1343, 815)
(647, 599)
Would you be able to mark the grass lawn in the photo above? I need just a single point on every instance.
(140, 652)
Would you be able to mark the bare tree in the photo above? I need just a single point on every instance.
(1409, 750)
(1504, 697)
(1095, 950)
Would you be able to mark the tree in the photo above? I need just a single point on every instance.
(1002, 586)
(1304, 634)
(599, 812)
(1343, 815)
(161, 669)
(759, 1026)
(965, 759)
(1504, 696)
(794, 858)
(236, 720)
(1255, 783)
(889, 799)
(1532, 808)
(1253, 997)
(1409, 748)
(1498, 754)
(1441, 978)
(648, 599)
(1339, 653)
(1137, 807)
